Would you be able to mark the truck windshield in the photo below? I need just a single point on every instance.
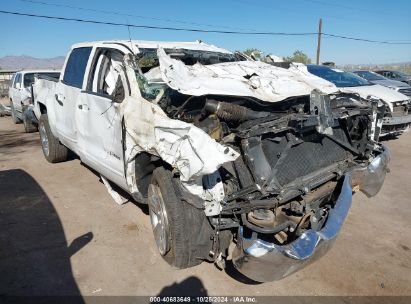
(147, 57)
(150, 82)
(338, 77)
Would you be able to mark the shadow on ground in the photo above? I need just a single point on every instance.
(388, 138)
(34, 254)
(10, 140)
(192, 287)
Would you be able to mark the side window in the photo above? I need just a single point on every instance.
(17, 79)
(12, 80)
(28, 79)
(108, 75)
(76, 67)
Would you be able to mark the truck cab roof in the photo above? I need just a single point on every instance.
(135, 45)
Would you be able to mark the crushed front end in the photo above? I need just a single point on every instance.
(288, 168)
(287, 195)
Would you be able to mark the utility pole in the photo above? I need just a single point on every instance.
(320, 25)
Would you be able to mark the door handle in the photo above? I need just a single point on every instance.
(83, 107)
(57, 96)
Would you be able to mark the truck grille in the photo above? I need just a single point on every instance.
(314, 153)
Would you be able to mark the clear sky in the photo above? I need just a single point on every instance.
(371, 19)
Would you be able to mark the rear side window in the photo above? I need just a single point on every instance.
(12, 80)
(17, 80)
(76, 67)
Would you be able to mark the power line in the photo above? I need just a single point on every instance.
(130, 15)
(364, 40)
(198, 30)
(156, 27)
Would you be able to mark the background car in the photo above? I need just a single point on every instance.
(20, 96)
(396, 118)
(395, 75)
(389, 83)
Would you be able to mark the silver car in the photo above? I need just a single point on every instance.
(381, 80)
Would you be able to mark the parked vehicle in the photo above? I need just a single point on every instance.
(21, 99)
(221, 149)
(375, 78)
(395, 75)
(396, 117)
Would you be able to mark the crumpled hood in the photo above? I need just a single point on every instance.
(242, 78)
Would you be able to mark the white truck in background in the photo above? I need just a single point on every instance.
(220, 148)
(20, 96)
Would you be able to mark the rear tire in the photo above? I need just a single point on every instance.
(29, 126)
(186, 230)
(14, 117)
(53, 150)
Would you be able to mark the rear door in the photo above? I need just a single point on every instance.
(15, 91)
(11, 86)
(100, 134)
(68, 93)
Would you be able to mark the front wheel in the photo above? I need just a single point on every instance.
(53, 150)
(182, 232)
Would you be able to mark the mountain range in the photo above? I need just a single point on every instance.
(28, 62)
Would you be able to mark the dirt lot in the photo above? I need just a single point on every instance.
(61, 233)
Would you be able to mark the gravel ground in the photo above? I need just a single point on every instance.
(62, 234)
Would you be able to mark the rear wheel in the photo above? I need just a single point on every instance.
(14, 117)
(53, 150)
(29, 126)
(181, 231)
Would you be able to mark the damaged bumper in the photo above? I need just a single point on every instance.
(390, 121)
(264, 261)
(395, 125)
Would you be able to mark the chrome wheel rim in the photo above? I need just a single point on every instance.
(44, 139)
(159, 219)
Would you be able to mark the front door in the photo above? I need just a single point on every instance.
(100, 135)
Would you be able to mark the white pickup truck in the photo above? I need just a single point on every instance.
(220, 148)
(21, 99)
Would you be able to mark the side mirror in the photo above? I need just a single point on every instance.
(18, 85)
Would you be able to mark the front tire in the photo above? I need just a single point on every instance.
(182, 232)
(53, 150)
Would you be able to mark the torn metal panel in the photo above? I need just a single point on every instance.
(182, 145)
(320, 105)
(210, 189)
(117, 197)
